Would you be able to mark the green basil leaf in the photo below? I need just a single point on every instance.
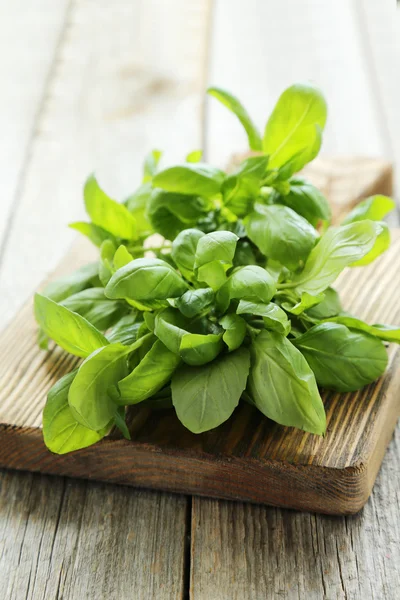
(94, 233)
(328, 307)
(190, 178)
(235, 106)
(170, 213)
(121, 257)
(382, 243)
(68, 329)
(150, 165)
(251, 283)
(151, 374)
(88, 396)
(337, 249)
(374, 208)
(106, 266)
(204, 397)
(146, 279)
(106, 213)
(306, 200)
(388, 333)
(126, 330)
(195, 156)
(341, 359)
(194, 301)
(291, 129)
(273, 316)
(183, 251)
(193, 348)
(216, 246)
(241, 189)
(62, 433)
(306, 302)
(235, 330)
(137, 205)
(95, 307)
(71, 284)
(244, 254)
(213, 274)
(281, 234)
(283, 386)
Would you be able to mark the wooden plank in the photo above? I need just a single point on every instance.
(68, 539)
(129, 77)
(248, 457)
(253, 552)
(24, 83)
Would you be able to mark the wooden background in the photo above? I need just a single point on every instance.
(93, 85)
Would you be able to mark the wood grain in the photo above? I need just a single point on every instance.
(248, 457)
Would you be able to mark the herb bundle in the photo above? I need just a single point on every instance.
(232, 302)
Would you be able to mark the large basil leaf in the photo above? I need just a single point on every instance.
(95, 307)
(73, 283)
(337, 249)
(183, 250)
(293, 130)
(170, 213)
(306, 200)
(151, 374)
(235, 330)
(68, 329)
(283, 386)
(106, 213)
(235, 106)
(281, 234)
(146, 279)
(383, 332)
(341, 359)
(194, 348)
(204, 397)
(88, 396)
(191, 178)
(62, 433)
(273, 316)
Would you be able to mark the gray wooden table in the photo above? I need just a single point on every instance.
(92, 84)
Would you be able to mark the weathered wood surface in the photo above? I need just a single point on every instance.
(248, 457)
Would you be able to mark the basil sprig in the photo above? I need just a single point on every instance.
(231, 301)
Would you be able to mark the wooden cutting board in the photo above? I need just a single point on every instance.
(247, 458)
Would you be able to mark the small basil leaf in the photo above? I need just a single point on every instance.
(235, 330)
(96, 308)
(328, 307)
(374, 208)
(204, 397)
(120, 422)
(106, 268)
(62, 433)
(387, 333)
(146, 279)
(68, 329)
(88, 395)
(341, 359)
(306, 302)
(190, 178)
(235, 106)
(195, 156)
(274, 317)
(121, 257)
(291, 129)
(194, 301)
(283, 386)
(106, 213)
(338, 248)
(306, 200)
(183, 251)
(281, 234)
(241, 189)
(151, 374)
(171, 213)
(150, 165)
(94, 233)
(137, 205)
(251, 283)
(216, 246)
(71, 284)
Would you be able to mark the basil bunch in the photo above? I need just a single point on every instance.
(233, 303)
